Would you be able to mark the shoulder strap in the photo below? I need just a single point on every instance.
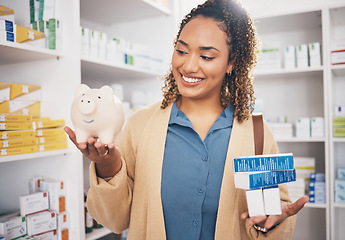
(258, 126)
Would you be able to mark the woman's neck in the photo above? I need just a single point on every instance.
(199, 107)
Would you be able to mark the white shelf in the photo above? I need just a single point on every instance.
(339, 205)
(336, 67)
(339, 140)
(94, 68)
(287, 71)
(97, 233)
(19, 52)
(34, 155)
(300, 140)
(316, 205)
(107, 12)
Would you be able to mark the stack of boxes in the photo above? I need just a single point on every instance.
(260, 176)
(21, 128)
(44, 29)
(304, 167)
(317, 188)
(97, 45)
(42, 213)
(339, 127)
(338, 51)
(340, 186)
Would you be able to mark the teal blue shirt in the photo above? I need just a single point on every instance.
(192, 176)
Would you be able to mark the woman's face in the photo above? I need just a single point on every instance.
(200, 59)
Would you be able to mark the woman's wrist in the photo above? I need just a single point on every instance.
(106, 171)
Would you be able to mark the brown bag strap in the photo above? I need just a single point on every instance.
(258, 126)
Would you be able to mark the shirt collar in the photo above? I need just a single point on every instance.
(224, 120)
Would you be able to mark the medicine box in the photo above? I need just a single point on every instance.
(290, 57)
(317, 177)
(17, 142)
(6, 25)
(15, 118)
(51, 139)
(51, 235)
(41, 222)
(63, 226)
(302, 56)
(6, 13)
(17, 126)
(6, 36)
(339, 185)
(12, 225)
(271, 197)
(339, 111)
(255, 202)
(314, 54)
(35, 184)
(338, 57)
(341, 173)
(51, 146)
(40, 124)
(50, 132)
(56, 190)
(15, 106)
(17, 150)
(317, 127)
(5, 89)
(24, 34)
(340, 196)
(16, 134)
(33, 203)
(303, 127)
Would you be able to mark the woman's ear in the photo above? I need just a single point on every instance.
(229, 68)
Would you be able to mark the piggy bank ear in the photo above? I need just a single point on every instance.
(107, 92)
(81, 90)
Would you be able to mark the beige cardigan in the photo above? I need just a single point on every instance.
(132, 198)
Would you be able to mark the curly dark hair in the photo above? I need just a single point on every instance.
(237, 87)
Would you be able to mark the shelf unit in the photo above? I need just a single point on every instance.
(305, 96)
(336, 30)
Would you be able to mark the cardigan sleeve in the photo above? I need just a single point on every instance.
(285, 229)
(109, 202)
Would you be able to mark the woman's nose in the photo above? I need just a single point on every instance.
(191, 64)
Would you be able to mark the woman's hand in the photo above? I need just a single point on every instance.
(268, 222)
(106, 157)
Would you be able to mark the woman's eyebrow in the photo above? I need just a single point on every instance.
(202, 48)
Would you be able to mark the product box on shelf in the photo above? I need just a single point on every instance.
(63, 226)
(6, 25)
(50, 132)
(338, 51)
(17, 126)
(51, 235)
(341, 173)
(15, 118)
(17, 142)
(49, 123)
(16, 134)
(41, 222)
(302, 56)
(34, 202)
(317, 188)
(35, 184)
(290, 57)
(339, 111)
(85, 41)
(51, 139)
(12, 225)
(303, 127)
(51, 146)
(339, 126)
(5, 89)
(340, 196)
(24, 34)
(16, 106)
(17, 150)
(281, 130)
(270, 56)
(317, 127)
(6, 36)
(339, 185)
(56, 190)
(6, 13)
(314, 54)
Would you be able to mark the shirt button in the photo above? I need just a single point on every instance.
(201, 190)
(204, 159)
(195, 223)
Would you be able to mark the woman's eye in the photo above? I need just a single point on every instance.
(180, 52)
(207, 58)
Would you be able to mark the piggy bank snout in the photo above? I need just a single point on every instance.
(86, 105)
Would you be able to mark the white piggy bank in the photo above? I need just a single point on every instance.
(97, 113)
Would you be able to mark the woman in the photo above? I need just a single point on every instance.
(172, 175)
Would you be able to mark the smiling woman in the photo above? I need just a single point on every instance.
(172, 176)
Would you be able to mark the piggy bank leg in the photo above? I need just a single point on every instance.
(81, 135)
(106, 137)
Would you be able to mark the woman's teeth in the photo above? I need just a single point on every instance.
(191, 80)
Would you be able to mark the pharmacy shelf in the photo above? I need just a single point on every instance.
(288, 71)
(316, 205)
(340, 66)
(296, 140)
(34, 155)
(339, 205)
(107, 12)
(19, 52)
(97, 233)
(339, 140)
(95, 69)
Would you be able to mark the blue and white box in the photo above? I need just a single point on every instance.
(341, 173)
(264, 163)
(339, 185)
(263, 179)
(340, 196)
